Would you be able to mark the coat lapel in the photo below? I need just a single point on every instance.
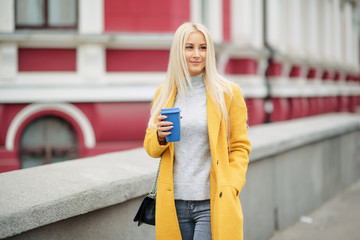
(213, 120)
(170, 104)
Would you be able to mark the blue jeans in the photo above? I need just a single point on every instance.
(194, 219)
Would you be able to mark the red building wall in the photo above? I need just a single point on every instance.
(145, 15)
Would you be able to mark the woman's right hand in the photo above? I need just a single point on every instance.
(163, 127)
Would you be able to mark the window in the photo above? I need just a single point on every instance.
(46, 14)
(48, 139)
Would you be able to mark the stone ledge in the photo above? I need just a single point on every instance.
(34, 197)
(38, 196)
(272, 139)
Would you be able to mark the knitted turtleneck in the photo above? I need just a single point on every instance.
(192, 153)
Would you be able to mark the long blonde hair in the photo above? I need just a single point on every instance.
(178, 77)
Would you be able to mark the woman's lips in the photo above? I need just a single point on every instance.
(195, 62)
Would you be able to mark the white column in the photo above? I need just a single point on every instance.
(258, 17)
(209, 13)
(355, 38)
(336, 34)
(91, 16)
(348, 41)
(214, 20)
(241, 22)
(8, 62)
(7, 16)
(325, 38)
(91, 57)
(311, 30)
(247, 23)
(195, 11)
(275, 24)
(294, 28)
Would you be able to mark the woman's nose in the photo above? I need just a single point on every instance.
(196, 53)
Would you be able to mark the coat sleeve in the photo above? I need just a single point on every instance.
(151, 143)
(240, 146)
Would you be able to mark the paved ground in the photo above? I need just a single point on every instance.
(337, 219)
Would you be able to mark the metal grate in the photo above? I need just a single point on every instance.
(47, 140)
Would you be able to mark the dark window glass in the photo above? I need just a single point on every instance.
(47, 14)
(47, 140)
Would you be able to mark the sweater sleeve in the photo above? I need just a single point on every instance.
(240, 146)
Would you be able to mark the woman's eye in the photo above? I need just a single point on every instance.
(189, 47)
(203, 47)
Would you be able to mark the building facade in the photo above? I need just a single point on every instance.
(77, 76)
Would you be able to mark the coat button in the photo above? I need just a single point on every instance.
(220, 195)
(217, 162)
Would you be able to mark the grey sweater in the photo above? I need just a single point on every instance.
(192, 153)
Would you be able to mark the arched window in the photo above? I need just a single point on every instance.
(48, 139)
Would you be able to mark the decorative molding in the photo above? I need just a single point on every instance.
(68, 109)
(131, 93)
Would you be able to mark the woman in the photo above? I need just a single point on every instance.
(202, 175)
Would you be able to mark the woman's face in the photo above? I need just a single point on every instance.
(195, 53)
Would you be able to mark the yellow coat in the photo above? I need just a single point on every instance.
(227, 174)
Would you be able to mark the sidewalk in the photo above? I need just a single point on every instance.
(339, 219)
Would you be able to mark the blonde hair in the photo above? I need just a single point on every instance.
(178, 77)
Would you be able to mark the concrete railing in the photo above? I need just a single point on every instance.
(295, 167)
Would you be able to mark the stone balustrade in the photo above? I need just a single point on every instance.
(295, 166)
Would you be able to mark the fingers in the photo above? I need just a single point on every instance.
(163, 127)
(161, 117)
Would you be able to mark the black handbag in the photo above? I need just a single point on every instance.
(146, 212)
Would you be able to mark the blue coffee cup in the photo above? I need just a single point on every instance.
(173, 115)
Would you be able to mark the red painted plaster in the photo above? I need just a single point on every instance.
(46, 59)
(295, 71)
(256, 112)
(298, 108)
(7, 115)
(343, 104)
(136, 60)
(145, 15)
(241, 66)
(311, 74)
(226, 21)
(281, 109)
(121, 121)
(117, 126)
(274, 70)
(326, 75)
